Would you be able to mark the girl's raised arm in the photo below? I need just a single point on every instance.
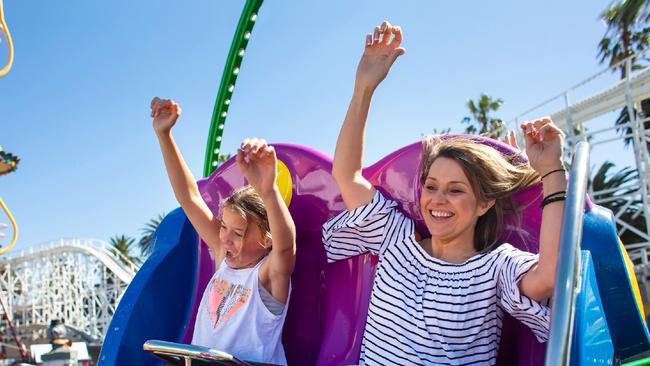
(165, 112)
(258, 163)
(381, 50)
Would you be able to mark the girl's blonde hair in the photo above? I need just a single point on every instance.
(492, 176)
(249, 205)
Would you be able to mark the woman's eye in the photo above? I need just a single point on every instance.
(456, 191)
(239, 235)
(430, 188)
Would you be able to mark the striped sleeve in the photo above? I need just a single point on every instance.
(535, 315)
(358, 231)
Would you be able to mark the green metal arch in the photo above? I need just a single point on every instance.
(228, 80)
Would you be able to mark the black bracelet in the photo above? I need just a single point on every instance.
(551, 200)
(553, 171)
(555, 194)
(551, 196)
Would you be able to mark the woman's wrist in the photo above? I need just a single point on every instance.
(549, 172)
(550, 169)
(166, 133)
(554, 183)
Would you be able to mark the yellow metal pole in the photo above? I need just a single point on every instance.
(13, 224)
(5, 30)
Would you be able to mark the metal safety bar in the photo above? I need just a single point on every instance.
(558, 349)
(188, 354)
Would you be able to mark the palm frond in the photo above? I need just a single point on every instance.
(146, 240)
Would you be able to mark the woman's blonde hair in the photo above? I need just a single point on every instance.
(492, 176)
(249, 205)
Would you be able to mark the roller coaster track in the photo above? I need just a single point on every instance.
(78, 280)
(227, 86)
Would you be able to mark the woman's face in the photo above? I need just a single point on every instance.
(242, 243)
(448, 203)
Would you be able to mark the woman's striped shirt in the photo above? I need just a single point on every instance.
(424, 311)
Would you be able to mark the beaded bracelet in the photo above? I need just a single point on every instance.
(553, 171)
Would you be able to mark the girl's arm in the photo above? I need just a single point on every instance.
(381, 51)
(544, 141)
(165, 112)
(258, 163)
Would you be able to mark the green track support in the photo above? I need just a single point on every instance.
(641, 362)
(228, 80)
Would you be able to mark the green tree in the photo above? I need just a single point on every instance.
(481, 122)
(223, 158)
(616, 185)
(628, 33)
(124, 245)
(145, 243)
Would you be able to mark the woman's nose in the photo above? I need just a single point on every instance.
(439, 196)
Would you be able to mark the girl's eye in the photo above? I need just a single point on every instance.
(430, 188)
(239, 235)
(456, 191)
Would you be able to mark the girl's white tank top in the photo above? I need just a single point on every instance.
(232, 318)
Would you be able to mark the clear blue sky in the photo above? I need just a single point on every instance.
(75, 105)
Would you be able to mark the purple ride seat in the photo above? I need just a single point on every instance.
(329, 302)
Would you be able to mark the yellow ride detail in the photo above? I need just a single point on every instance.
(5, 30)
(15, 229)
(284, 182)
(633, 282)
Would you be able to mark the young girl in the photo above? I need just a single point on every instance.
(242, 310)
(440, 300)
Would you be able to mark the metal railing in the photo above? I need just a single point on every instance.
(558, 349)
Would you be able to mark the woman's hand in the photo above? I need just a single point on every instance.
(258, 164)
(165, 112)
(544, 144)
(382, 49)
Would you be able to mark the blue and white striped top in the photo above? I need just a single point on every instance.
(425, 311)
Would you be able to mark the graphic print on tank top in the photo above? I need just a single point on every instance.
(225, 299)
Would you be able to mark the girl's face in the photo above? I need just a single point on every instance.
(448, 203)
(242, 243)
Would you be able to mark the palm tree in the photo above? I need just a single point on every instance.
(223, 158)
(611, 198)
(124, 244)
(145, 243)
(481, 122)
(628, 33)
(624, 118)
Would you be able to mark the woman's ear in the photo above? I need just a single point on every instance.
(485, 207)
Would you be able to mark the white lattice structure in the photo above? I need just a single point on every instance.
(78, 280)
(592, 118)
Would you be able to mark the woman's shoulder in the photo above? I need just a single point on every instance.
(507, 250)
(378, 211)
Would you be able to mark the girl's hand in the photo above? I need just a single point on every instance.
(382, 49)
(165, 112)
(258, 164)
(544, 143)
